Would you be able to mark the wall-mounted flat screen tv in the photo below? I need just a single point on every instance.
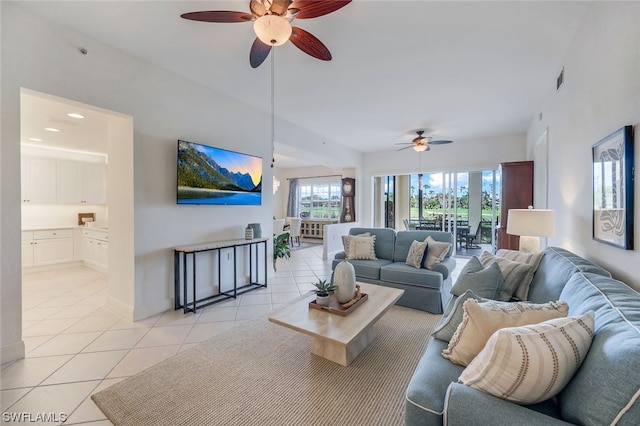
(208, 175)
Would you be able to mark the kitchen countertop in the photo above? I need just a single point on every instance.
(47, 228)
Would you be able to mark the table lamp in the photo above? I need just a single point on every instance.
(531, 224)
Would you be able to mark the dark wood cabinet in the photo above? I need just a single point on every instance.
(517, 193)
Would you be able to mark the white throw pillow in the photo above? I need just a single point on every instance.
(532, 363)
(517, 276)
(532, 259)
(362, 248)
(436, 252)
(416, 254)
(346, 240)
(481, 320)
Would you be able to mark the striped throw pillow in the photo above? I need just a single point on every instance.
(532, 363)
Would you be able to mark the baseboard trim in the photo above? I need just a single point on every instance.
(53, 267)
(120, 308)
(12, 352)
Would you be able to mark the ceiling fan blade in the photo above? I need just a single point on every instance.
(406, 147)
(440, 142)
(314, 8)
(404, 143)
(259, 52)
(279, 7)
(309, 44)
(218, 16)
(257, 8)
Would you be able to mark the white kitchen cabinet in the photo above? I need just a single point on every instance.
(95, 248)
(81, 182)
(47, 247)
(38, 177)
(27, 249)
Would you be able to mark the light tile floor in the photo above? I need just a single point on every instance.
(76, 347)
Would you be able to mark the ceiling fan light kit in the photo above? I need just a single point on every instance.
(422, 143)
(272, 24)
(272, 30)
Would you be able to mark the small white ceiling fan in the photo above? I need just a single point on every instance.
(422, 143)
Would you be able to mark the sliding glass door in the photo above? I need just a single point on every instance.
(463, 203)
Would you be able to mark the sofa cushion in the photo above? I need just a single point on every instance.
(606, 389)
(417, 254)
(369, 269)
(484, 282)
(517, 276)
(532, 363)
(481, 320)
(402, 273)
(385, 240)
(426, 392)
(555, 269)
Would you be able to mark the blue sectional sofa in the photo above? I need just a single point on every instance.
(424, 289)
(606, 388)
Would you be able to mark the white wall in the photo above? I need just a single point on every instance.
(42, 56)
(601, 93)
(284, 174)
(479, 154)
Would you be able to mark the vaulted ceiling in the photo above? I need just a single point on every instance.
(460, 70)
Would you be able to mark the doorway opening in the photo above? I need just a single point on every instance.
(77, 192)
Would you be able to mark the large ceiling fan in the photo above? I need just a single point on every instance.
(272, 24)
(422, 143)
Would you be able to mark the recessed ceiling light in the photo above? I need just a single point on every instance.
(51, 129)
(35, 139)
(75, 115)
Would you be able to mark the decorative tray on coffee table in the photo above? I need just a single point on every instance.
(335, 308)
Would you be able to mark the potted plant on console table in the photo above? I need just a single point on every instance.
(322, 292)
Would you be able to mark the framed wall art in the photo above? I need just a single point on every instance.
(613, 174)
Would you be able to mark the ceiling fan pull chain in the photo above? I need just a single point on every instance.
(273, 121)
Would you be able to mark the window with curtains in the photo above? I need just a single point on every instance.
(321, 200)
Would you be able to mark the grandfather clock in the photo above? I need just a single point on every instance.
(348, 194)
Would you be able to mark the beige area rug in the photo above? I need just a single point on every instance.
(264, 374)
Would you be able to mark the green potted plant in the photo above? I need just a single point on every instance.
(323, 288)
(281, 248)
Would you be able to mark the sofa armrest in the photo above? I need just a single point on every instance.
(464, 405)
(445, 267)
(340, 255)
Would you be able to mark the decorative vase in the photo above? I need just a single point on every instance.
(322, 300)
(257, 230)
(344, 278)
(248, 233)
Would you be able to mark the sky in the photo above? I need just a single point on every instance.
(235, 161)
(435, 181)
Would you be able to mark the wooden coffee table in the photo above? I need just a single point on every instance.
(339, 338)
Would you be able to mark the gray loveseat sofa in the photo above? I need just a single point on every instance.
(606, 388)
(424, 289)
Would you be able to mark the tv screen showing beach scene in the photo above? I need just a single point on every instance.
(208, 175)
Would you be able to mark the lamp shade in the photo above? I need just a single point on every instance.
(419, 148)
(531, 222)
(272, 30)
